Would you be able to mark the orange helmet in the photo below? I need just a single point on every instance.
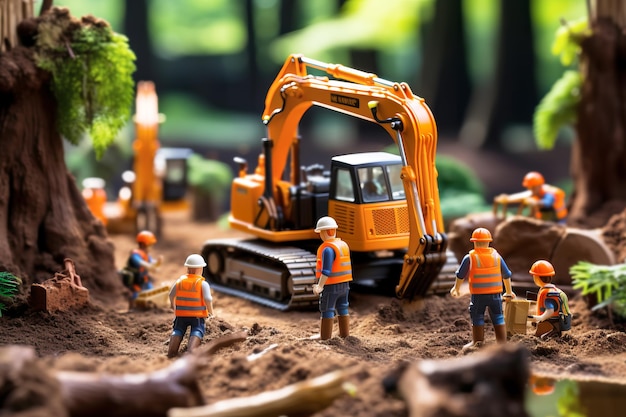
(542, 269)
(533, 179)
(146, 237)
(481, 235)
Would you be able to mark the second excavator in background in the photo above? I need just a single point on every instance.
(386, 205)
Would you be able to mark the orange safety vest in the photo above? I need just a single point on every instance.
(485, 276)
(341, 270)
(143, 255)
(550, 291)
(189, 301)
(559, 207)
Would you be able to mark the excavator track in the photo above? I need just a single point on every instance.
(277, 276)
(280, 277)
(447, 276)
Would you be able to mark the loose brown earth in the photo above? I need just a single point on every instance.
(105, 337)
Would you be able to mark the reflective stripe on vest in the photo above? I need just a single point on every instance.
(549, 291)
(484, 273)
(189, 301)
(341, 270)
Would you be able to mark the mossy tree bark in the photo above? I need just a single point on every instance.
(599, 153)
(43, 217)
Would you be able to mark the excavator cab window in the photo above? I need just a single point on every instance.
(368, 177)
(373, 184)
(395, 181)
(345, 189)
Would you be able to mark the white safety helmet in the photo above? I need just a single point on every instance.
(325, 223)
(195, 261)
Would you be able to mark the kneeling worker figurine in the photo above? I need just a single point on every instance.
(334, 272)
(190, 297)
(553, 313)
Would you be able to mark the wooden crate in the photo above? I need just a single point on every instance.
(516, 316)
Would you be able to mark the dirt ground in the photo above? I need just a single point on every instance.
(384, 331)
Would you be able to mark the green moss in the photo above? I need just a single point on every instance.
(92, 81)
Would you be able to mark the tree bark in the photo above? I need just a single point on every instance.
(43, 217)
(598, 164)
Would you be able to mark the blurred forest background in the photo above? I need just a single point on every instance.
(481, 65)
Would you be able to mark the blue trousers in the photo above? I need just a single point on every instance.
(334, 299)
(480, 302)
(196, 324)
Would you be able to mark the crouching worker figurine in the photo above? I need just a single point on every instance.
(334, 272)
(190, 297)
(136, 274)
(553, 313)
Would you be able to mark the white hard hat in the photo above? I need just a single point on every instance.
(325, 223)
(195, 261)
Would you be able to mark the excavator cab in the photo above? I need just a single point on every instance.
(368, 201)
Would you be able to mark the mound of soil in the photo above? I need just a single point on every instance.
(104, 337)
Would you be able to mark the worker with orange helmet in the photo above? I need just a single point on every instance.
(140, 263)
(547, 201)
(553, 313)
(486, 271)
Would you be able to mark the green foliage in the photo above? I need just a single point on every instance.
(360, 24)
(567, 40)
(193, 27)
(557, 109)
(606, 282)
(92, 70)
(9, 287)
(209, 176)
(460, 190)
(569, 404)
(455, 175)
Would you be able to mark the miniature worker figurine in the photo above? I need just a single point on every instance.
(553, 313)
(334, 272)
(547, 201)
(486, 271)
(139, 265)
(190, 297)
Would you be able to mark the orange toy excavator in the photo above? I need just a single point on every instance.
(157, 183)
(386, 206)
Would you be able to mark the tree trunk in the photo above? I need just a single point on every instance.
(136, 28)
(445, 81)
(598, 163)
(511, 96)
(43, 217)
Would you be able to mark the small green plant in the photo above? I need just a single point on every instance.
(569, 404)
(606, 282)
(92, 70)
(9, 287)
